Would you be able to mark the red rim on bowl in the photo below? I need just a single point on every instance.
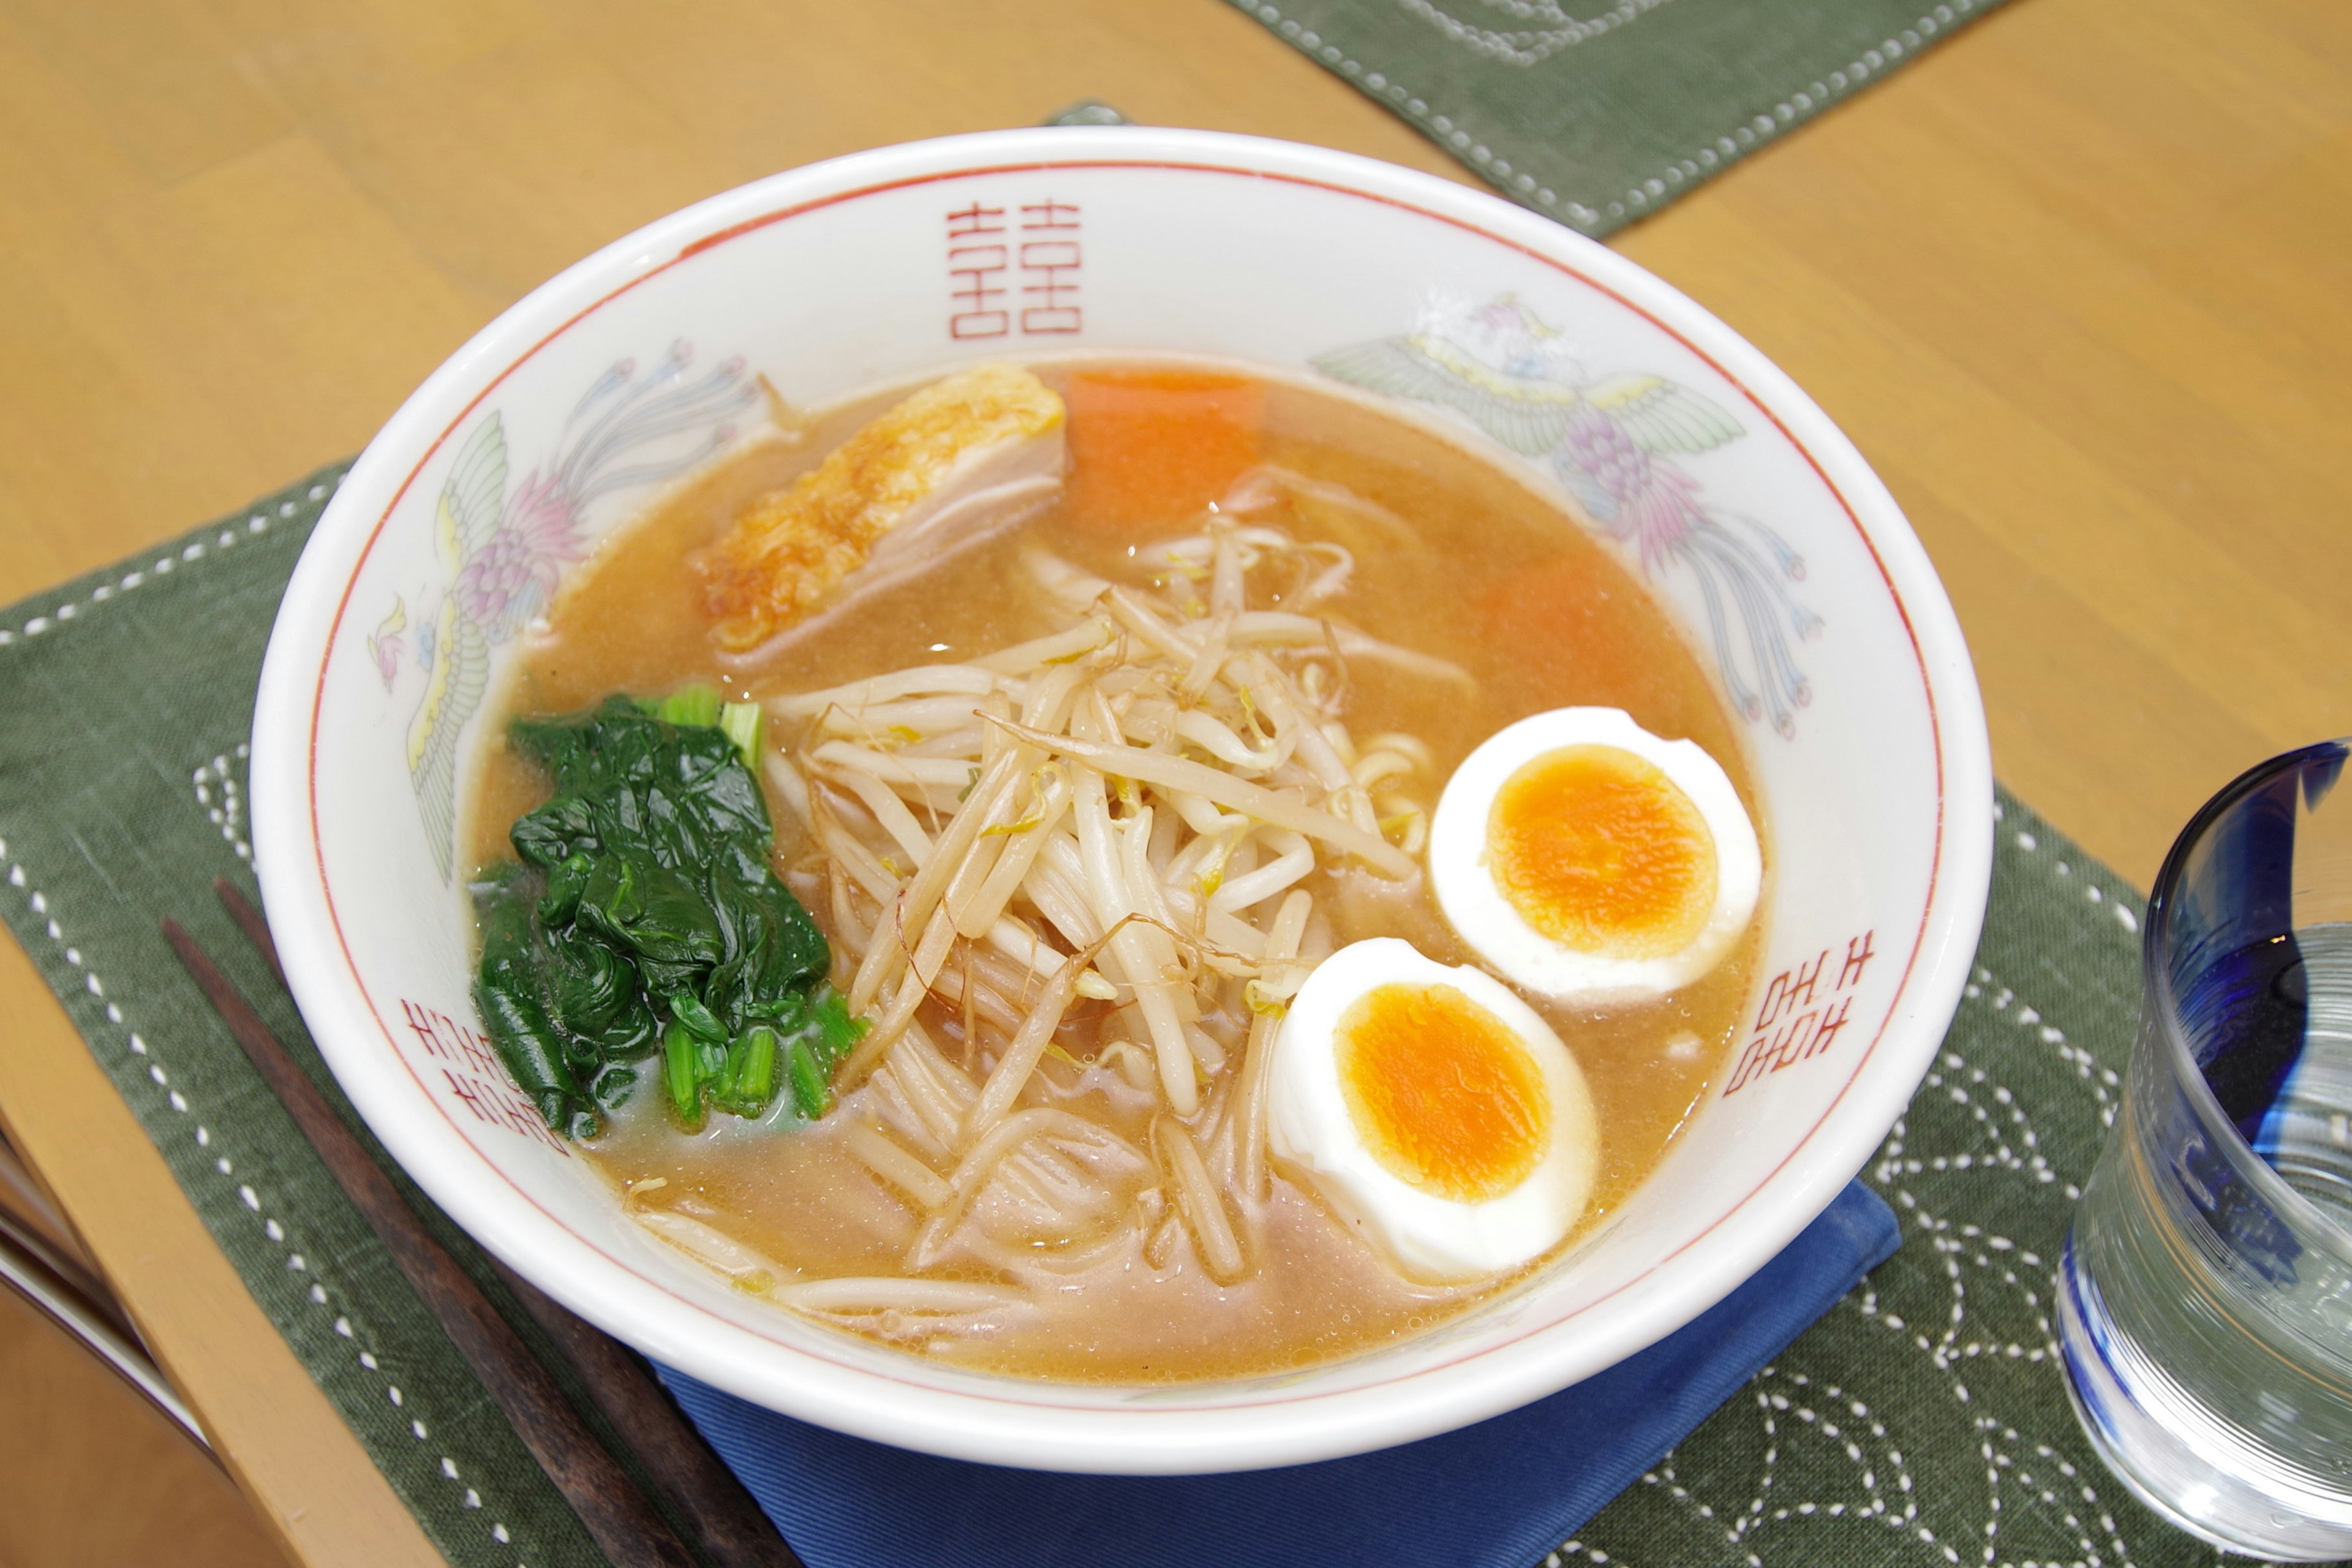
(898, 1399)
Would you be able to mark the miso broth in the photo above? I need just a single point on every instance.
(1453, 558)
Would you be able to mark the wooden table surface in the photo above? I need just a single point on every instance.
(2079, 283)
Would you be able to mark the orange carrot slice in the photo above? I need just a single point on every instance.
(1580, 633)
(1150, 448)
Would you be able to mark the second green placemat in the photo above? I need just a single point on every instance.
(1599, 113)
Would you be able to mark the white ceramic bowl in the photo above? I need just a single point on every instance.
(1754, 520)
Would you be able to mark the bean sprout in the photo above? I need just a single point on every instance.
(1106, 847)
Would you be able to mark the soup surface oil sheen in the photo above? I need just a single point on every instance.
(1463, 562)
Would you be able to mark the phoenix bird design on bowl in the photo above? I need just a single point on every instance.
(503, 549)
(1613, 441)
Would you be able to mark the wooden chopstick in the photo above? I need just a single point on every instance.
(256, 928)
(608, 1502)
(734, 1533)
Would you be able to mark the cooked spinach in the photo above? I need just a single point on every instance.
(644, 918)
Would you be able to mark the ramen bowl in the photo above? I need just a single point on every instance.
(1783, 560)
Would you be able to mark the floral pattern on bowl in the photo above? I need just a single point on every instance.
(503, 549)
(839, 280)
(1610, 439)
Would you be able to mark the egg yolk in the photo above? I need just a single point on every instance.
(1442, 1093)
(1600, 851)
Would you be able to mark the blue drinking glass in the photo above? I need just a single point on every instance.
(2205, 1297)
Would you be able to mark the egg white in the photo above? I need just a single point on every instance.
(1484, 919)
(1430, 1239)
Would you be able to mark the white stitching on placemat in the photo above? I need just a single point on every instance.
(1985, 1276)
(297, 1261)
(1402, 98)
(2092, 891)
(1515, 47)
(1638, 198)
(226, 810)
(163, 566)
(2086, 1067)
(226, 817)
(1994, 1108)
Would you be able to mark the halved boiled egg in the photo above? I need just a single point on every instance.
(1591, 861)
(1433, 1111)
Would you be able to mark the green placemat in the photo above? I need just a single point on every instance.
(1595, 113)
(122, 795)
(1922, 1421)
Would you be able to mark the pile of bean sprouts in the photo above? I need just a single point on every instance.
(1096, 845)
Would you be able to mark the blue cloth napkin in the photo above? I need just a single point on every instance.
(1497, 1495)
